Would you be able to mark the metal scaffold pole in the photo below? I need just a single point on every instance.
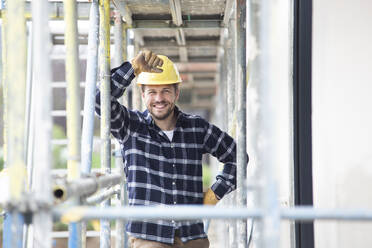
(269, 130)
(196, 212)
(241, 86)
(16, 68)
(42, 219)
(104, 66)
(89, 98)
(231, 109)
(73, 108)
(90, 89)
(120, 39)
(136, 91)
(83, 187)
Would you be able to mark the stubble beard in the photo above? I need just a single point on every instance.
(163, 116)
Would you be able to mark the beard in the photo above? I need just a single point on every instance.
(164, 115)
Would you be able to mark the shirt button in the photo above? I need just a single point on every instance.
(175, 202)
(174, 165)
(174, 183)
(172, 145)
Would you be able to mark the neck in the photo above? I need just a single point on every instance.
(167, 124)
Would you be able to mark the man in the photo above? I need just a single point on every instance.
(162, 150)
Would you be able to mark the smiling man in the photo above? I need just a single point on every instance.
(162, 150)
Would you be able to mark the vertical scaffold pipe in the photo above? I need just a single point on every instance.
(73, 108)
(125, 101)
(268, 150)
(7, 222)
(136, 91)
(120, 55)
(90, 89)
(42, 220)
(104, 65)
(89, 98)
(118, 40)
(16, 67)
(241, 80)
(231, 109)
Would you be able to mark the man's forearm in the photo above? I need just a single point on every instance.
(121, 78)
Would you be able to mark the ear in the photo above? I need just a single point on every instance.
(177, 94)
(142, 90)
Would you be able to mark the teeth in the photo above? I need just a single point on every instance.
(159, 106)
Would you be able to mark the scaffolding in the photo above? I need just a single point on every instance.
(36, 205)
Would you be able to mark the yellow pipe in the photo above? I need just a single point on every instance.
(16, 67)
(73, 90)
(104, 65)
(4, 79)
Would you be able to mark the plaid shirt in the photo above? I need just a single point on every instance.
(160, 171)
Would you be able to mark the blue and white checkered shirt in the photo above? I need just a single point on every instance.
(160, 171)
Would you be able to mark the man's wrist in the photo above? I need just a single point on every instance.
(136, 69)
(210, 198)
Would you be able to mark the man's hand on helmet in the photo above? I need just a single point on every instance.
(146, 61)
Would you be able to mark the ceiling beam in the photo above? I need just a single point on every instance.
(195, 59)
(193, 24)
(190, 43)
(56, 12)
(200, 85)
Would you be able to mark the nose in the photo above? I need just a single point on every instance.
(159, 97)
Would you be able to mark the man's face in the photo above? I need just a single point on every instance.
(160, 100)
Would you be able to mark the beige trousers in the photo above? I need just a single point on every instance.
(141, 243)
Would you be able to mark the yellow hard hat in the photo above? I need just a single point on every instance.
(169, 75)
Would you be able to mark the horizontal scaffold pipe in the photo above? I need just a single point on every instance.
(83, 187)
(206, 212)
(100, 197)
(154, 212)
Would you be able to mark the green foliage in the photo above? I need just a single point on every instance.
(60, 227)
(207, 176)
(96, 160)
(59, 152)
(1, 159)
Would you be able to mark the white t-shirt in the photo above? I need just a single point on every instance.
(169, 134)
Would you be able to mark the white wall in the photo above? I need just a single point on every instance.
(342, 116)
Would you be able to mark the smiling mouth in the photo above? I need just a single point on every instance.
(160, 106)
